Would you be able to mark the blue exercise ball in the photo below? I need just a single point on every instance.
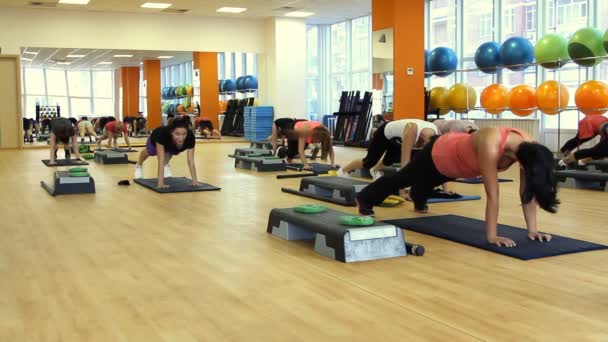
(221, 85)
(229, 86)
(250, 82)
(240, 83)
(516, 53)
(487, 57)
(443, 61)
(427, 69)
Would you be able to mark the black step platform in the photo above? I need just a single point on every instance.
(332, 189)
(63, 184)
(111, 157)
(243, 152)
(598, 165)
(260, 164)
(337, 241)
(580, 179)
(262, 144)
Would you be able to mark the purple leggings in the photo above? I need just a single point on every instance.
(151, 148)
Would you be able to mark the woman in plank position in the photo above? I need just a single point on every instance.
(484, 153)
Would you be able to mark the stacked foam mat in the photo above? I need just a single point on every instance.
(258, 122)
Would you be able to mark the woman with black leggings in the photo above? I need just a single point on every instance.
(484, 153)
(588, 128)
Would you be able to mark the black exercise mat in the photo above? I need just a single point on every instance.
(479, 180)
(120, 150)
(64, 162)
(472, 232)
(176, 184)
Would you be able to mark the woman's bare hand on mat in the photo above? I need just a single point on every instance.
(502, 241)
(537, 236)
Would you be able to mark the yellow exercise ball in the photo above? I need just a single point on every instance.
(438, 101)
(461, 97)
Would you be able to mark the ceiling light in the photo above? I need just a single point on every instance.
(29, 53)
(123, 56)
(231, 10)
(105, 63)
(64, 63)
(165, 57)
(26, 59)
(158, 5)
(299, 14)
(75, 56)
(74, 2)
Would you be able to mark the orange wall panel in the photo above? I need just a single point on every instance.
(152, 78)
(206, 62)
(407, 20)
(129, 80)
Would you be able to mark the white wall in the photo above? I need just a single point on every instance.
(104, 30)
(285, 67)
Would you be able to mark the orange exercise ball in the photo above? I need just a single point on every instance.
(461, 97)
(522, 100)
(551, 97)
(591, 96)
(438, 101)
(495, 98)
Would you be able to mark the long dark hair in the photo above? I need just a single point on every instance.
(541, 183)
(180, 121)
(321, 134)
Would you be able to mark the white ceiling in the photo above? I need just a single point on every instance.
(49, 57)
(326, 11)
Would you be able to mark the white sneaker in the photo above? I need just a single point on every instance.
(167, 171)
(343, 174)
(375, 174)
(139, 172)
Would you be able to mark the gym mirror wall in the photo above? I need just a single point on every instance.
(94, 83)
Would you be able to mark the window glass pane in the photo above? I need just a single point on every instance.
(252, 64)
(338, 48)
(229, 74)
(103, 107)
(239, 68)
(571, 15)
(361, 81)
(338, 84)
(62, 102)
(312, 86)
(143, 105)
(312, 50)
(102, 84)
(55, 82)
(34, 81)
(79, 83)
(602, 15)
(443, 24)
(80, 106)
(30, 106)
(361, 44)
(519, 19)
(478, 24)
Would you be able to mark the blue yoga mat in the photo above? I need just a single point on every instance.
(472, 232)
(479, 180)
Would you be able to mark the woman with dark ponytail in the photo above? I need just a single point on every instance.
(166, 142)
(483, 153)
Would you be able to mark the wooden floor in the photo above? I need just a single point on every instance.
(127, 264)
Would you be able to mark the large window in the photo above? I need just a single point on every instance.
(338, 59)
(312, 69)
(77, 92)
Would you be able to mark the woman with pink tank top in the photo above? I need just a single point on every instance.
(588, 128)
(309, 132)
(484, 153)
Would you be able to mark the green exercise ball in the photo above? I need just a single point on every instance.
(551, 51)
(585, 43)
(606, 41)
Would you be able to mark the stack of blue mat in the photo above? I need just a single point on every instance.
(258, 122)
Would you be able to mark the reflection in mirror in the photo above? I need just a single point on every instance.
(382, 45)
